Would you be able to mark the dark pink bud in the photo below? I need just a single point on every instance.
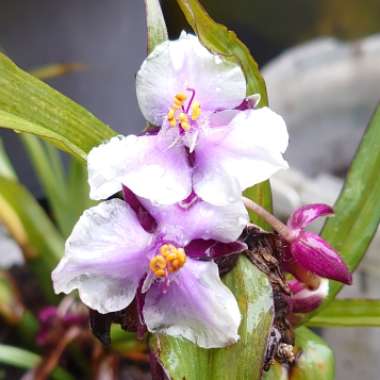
(305, 215)
(304, 300)
(316, 255)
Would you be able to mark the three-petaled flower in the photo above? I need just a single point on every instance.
(110, 257)
(207, 144)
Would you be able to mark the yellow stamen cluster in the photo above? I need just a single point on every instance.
(184, 120)
(179, 99)
(195, 110)
(170, 259)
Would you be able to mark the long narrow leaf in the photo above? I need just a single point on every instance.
(17, 357)
(357, 210)
(31, 228)
(156, 27)
(29, 105)
(6, 168)
(349, 313)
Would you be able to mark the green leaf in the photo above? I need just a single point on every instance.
(67, 194)
(32, 229)
(316, 361)
(6, 168)
(217, 38)
(243, 360)
(357, 210)
(17, 357)
(349, 313)
(29, 105)
(156, 26)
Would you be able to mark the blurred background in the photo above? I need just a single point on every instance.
(321, 62)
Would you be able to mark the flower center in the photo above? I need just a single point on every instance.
(182, 115)
(170, 259)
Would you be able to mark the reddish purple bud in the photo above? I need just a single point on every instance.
(304, 300)
(316, 255)
(305, 215)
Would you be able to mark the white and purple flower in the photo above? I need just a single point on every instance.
(119, 249)
(209, 142)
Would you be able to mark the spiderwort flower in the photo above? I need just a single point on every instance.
(109, 257)
(210, 140)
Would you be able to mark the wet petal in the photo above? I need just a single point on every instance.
(247, 151)
(197, 306)
(176, 65)
(105, 257)
(145, 164)
(200, 220)
(316, 255)
(305, 215)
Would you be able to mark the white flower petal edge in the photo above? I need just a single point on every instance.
(243, 153)
(148, 165)
(204, 311)
(200, 220)
(105, 257)
(176, 65)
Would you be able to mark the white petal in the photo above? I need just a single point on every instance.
(105, 257)
(176, 65)
(248, 150)
(148, 165)
(199, 221)
(196, 306)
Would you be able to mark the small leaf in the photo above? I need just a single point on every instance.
(242, 360)
(56, 70)
(29, 105)
(156, 26)
(348, 313)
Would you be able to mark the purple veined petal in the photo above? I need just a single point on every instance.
(317, 256)
(199, 220)
(176, 65)
(147, 165)
(305, 215)
(211, 249)
(146, 220)
(306, 300)
(105, 257)
(197, 306)
(245, 152)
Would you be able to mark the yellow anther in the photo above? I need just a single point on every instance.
(181, 96)
(185, 126)
(183, 118)
(171, 117)
(170, 259)
(195, 110)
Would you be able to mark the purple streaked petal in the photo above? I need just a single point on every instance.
(105, 257)
(199, 220)
(306, 300)
(241, 154)
(145, 164)
(176, 65)
(211, 249)
(197, 306)
(317, 256)
(305, 215)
